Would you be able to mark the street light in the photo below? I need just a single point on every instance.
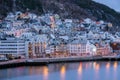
(94, 50)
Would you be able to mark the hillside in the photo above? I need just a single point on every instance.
(65, 8)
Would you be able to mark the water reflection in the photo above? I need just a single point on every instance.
(108, 66)
(96, 66)
(62, 72)
(65, 71)
(115, 65)
(80, 69)
(45, 72)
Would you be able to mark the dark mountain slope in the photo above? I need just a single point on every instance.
(65, 8)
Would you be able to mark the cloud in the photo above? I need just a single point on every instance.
(111, 3)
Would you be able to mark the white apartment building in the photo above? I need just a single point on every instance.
(12, 46)
(81, 47)
(50, 49)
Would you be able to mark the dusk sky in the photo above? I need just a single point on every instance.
(115, 4)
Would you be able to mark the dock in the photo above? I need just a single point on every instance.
(45, 61)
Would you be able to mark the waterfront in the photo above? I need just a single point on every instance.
(64, 71)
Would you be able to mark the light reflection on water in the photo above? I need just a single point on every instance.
(45, 73)
(65, 71)
(108, 66)
(79, 70)
(96, 66)
(115, 65)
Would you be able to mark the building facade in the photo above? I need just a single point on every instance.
(12, 46)
(103, 50)
(81, 48)
(37, 46)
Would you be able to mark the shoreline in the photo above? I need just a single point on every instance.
(46, 61)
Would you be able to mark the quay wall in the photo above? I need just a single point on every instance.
(46, 61)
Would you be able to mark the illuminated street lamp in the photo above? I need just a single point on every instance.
(94, 51)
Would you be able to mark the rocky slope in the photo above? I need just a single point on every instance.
(65, 8)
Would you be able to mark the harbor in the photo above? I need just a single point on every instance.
(46, 61)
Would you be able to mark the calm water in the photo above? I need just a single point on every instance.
(65, 71)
